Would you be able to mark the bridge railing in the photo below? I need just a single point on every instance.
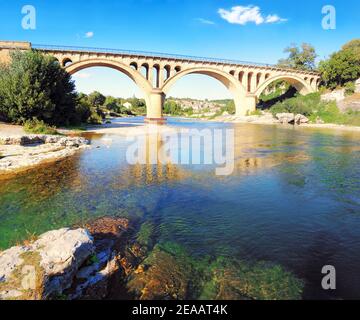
(147, 54)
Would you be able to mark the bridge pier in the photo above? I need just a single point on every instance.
(155, 107)
(245, 104)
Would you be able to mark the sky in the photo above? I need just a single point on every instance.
(251, 30)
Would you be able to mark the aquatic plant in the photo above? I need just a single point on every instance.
(169, 272)
(229, 279)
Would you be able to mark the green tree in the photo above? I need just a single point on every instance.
(342, 66)
(173, 108)
(34, 85)
(302, 58)
(96, 99)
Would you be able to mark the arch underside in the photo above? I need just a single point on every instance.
(226, 79)
(134, 75)
(298, 83)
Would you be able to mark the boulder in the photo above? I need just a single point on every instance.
(300, 119)
(46, 267)
(285, 118)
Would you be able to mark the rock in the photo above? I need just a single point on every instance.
(300, 119)
(166, 274)
(46, 267)
(285, 118)
(357, 86)
(336, 95)
(108, 227)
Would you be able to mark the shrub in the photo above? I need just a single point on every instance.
(95, 118)
(36, 126)
(349, 88)
(297, 105)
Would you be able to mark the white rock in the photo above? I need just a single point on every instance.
(61, 254)
(300, 119)
(285, 117)
(335, 95)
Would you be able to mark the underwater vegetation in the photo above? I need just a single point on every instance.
(169, 272)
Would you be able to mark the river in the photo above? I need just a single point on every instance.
(293, 199)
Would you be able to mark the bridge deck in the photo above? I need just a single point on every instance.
(159, 55)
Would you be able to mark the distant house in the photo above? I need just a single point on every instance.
(127, 105)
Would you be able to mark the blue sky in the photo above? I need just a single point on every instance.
(244, 30)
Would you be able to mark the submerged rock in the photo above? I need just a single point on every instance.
(167, 273)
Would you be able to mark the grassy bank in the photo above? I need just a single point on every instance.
(316, 110)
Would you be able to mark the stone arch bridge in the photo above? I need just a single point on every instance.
(156, 73)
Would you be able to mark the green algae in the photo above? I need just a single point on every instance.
(169, 272)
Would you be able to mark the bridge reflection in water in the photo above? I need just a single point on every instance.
(252, 152)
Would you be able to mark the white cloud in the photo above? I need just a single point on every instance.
(246, 14)
(89, 34)
(205, 21)
(82, 75)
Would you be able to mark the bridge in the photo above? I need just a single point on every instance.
(156, 73)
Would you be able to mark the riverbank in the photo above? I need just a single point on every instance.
(19, 152)
(268, 119)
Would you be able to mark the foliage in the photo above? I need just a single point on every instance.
(349, 88)
(34, 85)
(96, 99)
(342, 66)
(315, 109)
(299, 58)
(173, 108)
(35, 126)
(298, 105)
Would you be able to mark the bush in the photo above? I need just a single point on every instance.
(95, 118)
(298, 105)
(349, 88)
(36, 126)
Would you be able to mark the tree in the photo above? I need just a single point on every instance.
(171, 107)
(34, 85)
(299, 58)
(342, 66)
(96, 99)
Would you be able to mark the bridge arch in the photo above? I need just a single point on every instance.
(230, 82)
(224, 77)
(299, 83)
(134, 75)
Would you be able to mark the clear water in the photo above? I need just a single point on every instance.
(293, 199)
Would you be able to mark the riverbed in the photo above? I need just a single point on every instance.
(293, 199)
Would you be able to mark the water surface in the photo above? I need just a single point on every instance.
(293, 199)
